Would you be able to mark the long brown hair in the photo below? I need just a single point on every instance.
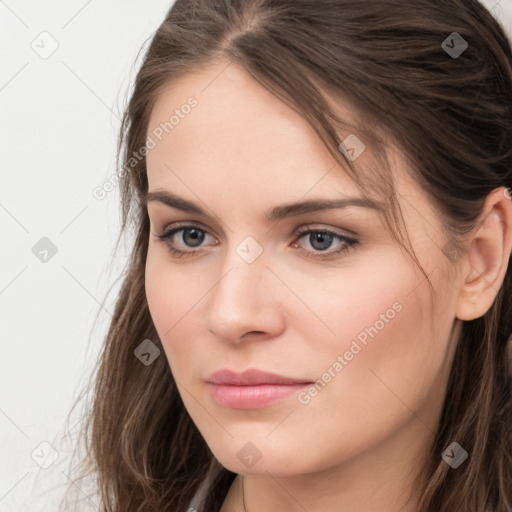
(450, 115)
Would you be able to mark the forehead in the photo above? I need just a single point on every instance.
(229, 98)
(238, 132)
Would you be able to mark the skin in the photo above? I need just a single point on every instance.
(359, 441)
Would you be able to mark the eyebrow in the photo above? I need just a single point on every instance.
(274, 214)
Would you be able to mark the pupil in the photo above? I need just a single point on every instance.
(196, 236)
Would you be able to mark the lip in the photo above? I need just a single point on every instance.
(252, 389)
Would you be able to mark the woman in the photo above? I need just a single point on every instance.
(317, 310)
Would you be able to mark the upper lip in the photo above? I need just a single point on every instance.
(251, 377)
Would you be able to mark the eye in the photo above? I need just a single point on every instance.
(321, 239)
(192, 236)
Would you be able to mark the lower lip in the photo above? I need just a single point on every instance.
(253, 397)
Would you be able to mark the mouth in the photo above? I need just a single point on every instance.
(252, 389)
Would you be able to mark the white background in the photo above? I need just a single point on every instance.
(59, 118)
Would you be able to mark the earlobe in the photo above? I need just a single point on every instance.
(486, 261)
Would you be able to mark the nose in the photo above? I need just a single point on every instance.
(244, 302)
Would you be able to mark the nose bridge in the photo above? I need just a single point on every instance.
(243, 272)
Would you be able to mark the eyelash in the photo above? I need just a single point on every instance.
(348, 242)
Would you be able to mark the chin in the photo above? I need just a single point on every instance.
(255, 458)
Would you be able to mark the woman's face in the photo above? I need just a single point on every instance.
(345, 314)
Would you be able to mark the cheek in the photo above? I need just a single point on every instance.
(175, 296)
(171, 290)
(168, 298)
(376, 299)
(379, 323)
(393, 358)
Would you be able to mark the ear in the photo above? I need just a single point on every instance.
(486, 261)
